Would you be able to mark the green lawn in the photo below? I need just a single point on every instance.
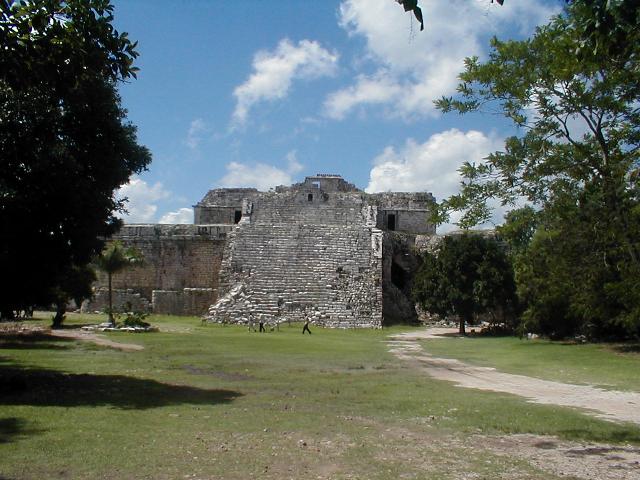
(605, 365)
(220, 402)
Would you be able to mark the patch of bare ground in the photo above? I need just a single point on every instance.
(569, 459)
(417, 451)
(606, 404)
(95, 338)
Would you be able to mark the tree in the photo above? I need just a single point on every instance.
(65, 143)
(114, 259)
(518, 230)
(468, 276)
(574, 93)
(76, 286)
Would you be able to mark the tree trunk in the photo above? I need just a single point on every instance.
(61, 309)
(461, 329)
(111, 319)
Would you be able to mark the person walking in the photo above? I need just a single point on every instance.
(306, 326)
(262, 329)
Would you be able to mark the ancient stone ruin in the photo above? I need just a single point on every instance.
(320, 248)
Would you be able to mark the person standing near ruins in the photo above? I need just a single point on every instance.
(305, 328)
(262, 329)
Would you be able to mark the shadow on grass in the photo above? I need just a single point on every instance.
(12, 427)
(40, 387)
(628, 348)
(621, 434)
(33, 341)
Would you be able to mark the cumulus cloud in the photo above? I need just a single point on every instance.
(197, 128)
(412, 72)
(274, 71)
(182, 215)
(142, 198)
(379, 89)
(432, 165)
(261, 175)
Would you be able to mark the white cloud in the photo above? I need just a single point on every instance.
(197, 128)
(293, 166)
(182, 215)
(379, 89)
(142, 198)
(260, 175)
(431, 166)
(413, 70)
(274, 72)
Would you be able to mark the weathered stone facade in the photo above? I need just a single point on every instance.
(180, 271)
(320, 248)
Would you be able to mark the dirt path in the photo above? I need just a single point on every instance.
(605, 404)
(97, 339)
(587, 461)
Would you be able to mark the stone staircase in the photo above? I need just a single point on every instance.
(290, 262)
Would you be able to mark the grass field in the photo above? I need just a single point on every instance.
(605, 365)
(211, 402)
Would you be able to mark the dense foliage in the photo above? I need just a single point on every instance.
(467, 276)
(65, 143)
(574, 91)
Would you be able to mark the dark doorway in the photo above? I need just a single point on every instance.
(237, 216)
(391, 221)
(310, 197)
(399, 277)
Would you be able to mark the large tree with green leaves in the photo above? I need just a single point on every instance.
(65, 142)
(574, 94)
(468, 275)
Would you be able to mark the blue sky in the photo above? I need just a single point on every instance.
(262, 93)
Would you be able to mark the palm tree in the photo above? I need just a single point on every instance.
(113, 259)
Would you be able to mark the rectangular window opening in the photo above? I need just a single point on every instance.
(391, 221)
(237, 216)
(310, 197)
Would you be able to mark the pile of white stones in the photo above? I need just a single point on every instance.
(108, 327)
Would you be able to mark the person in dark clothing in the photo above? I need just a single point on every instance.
(306, 326)
(262, 329)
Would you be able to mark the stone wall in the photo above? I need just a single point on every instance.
(410, 221)
(403, 200)
(325, 182)
(123, 301)
(297, 207)
(219, 215)
(181, 264)
(298, 257)
(405, 212)
(400, 263)
(219, 206)
(320, 248)
(188, 301)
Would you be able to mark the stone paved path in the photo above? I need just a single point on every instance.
(606, 404)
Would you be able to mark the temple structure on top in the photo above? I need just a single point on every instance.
(320, 248)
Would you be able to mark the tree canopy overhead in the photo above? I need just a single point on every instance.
(65, 143)
(574, 93)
